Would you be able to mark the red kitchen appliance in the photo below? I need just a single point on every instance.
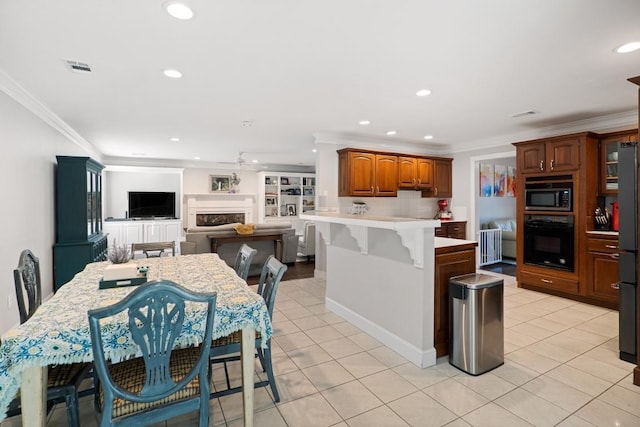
(614, 216)
(443, 212)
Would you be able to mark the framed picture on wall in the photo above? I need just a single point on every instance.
(219, 183)
(291, 210)
(486, 180)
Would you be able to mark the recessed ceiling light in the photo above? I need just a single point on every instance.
(364, 122)
(174, 74)
(423, 92)
(391, 132)
(196, 158)
(627, 47)
(174, 139)
(254, 161)
(428, 137)
(314, 150)
(246, 123)
(178, 10)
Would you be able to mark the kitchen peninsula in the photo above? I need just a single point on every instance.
(382, 277)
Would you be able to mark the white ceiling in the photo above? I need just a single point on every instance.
(297, 68)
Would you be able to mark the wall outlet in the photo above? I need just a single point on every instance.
(9, 301)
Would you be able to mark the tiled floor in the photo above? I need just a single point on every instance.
(561, 368)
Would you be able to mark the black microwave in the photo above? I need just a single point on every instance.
(548, 196)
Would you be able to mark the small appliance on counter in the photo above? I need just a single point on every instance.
(443, 212)
(358, 208)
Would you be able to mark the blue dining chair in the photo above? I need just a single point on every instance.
(164, 382)
(63, 381)
(243, 261)
(223, 347)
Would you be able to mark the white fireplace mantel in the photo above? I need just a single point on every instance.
(215, 203)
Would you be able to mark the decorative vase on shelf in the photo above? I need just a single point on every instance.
(233, 183)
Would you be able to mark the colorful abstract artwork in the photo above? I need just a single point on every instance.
(486, 180)
(511, 181)
(500, 181)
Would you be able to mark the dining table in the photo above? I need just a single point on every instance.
(58, 332)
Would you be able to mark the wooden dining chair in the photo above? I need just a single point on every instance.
(223, 348)
(243, 260)
(164, 382)
(63, 381)
(154, 249)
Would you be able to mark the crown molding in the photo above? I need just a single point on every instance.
(379, 143)
(13, 89)
(602, 124)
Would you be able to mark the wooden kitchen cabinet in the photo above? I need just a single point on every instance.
(559, 154)
(367, 174)
(452, 229)
(609, 144)
(450, 261)
(602, 269)
(442, 176)
(415, 173)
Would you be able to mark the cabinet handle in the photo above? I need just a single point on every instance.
(611, 246)
(377, 189)
(551, 164)
(614, 256)
(435, 191)
(414, 181)
(541, 165)
(372, 189)
(419, 181)
(615, 286)
(546, 281)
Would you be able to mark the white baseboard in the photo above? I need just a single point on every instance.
(420, 358)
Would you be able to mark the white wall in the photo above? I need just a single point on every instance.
(27, 171)
(117, 184)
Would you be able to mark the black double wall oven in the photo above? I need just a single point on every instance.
(549, 238)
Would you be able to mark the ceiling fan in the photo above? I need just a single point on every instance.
(239, 162)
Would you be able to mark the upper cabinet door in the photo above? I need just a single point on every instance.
(386, 175)
(424, 174)
(362, 174)
(407, 172)
(563, 154)
(442, 186)
(531, 158)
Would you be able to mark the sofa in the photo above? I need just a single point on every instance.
(508, 227)
(197, 242)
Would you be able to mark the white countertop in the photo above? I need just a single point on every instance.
(444, 242)
(386, 222)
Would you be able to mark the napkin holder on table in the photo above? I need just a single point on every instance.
(117, 275)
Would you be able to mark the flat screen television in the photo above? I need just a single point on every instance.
(152, 204)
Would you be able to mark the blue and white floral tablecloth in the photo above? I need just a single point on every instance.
(59, 330)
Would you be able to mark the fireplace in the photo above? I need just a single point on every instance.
(208, 219)
(216, 209)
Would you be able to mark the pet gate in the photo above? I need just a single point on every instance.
(490, 242)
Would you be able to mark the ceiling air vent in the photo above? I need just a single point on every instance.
(77, 66)
(523, 114)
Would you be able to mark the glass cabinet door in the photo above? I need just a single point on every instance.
(90, 210)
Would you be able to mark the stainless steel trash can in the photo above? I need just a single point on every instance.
(476, 323)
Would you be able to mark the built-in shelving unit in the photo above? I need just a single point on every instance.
(284, 195)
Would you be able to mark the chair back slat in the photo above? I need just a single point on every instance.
(243, 260)
(27, 281)
(270, 277)
(155, 324)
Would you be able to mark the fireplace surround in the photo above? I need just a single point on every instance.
(220, 208)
